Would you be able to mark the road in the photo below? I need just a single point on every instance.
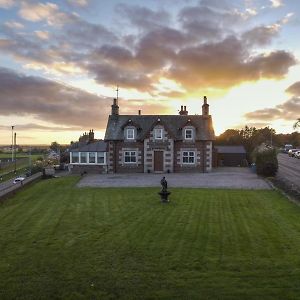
(6, 184)
(289, 169)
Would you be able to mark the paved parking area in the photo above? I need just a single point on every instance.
(231, 178)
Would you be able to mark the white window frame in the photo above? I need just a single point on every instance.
(104, 158)
(188, 156)
(158, 136)
(86, 157)
(130, 156)
(73, 156)
(127, 134)
(92, 163)
(185, 133)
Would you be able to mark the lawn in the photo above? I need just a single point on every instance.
(61, 242)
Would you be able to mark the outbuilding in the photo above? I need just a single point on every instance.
(231, 156)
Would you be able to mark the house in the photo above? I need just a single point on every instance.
(231, 156)
(88, 155)
(159, 143)
(148, 143)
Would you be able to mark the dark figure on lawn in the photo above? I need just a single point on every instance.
(164, 184)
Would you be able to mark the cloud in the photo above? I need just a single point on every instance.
(14, 25)
(294, 89)
(289, 110)
(43, 35)
(7, 3)
(38, 127)
(50, 101)
(209, 47)
(142, 17)
(80, 3)
(261, 35)
(226, 64)
(276, 3)
(49, 12)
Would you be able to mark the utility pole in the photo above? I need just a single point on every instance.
(15, 142)
(29, 160)
(12, 143)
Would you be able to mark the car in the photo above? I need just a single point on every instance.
(297, 154)
(292, 152)
(19, 179)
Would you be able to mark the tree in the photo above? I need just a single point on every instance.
(297, 124)
(55, 147)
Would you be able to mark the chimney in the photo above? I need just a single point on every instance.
(183, 111)
(115, 108)
(91, 136)
(140, 112)
(205, 107)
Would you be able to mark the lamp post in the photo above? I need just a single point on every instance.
(12, 143)
(15, 143)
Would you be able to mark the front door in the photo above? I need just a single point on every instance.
(158, 161)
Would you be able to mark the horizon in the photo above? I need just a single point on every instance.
(63, 60)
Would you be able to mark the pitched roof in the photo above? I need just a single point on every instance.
(174, 123)
(231, 149)
(96, 146)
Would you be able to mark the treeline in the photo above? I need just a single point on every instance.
(251, 137)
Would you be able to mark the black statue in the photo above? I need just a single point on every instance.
(164, 193)
(164, 184)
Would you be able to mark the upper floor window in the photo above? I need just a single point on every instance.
(158, 133)
(130, 133)
(188, 134)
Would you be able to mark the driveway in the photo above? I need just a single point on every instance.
(231, 178)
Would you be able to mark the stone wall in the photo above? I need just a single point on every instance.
(89, 169)
(166, 144)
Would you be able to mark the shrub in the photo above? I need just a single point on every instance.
(266, 161)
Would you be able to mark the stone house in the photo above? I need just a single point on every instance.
(148, 143)
(159, 143)
(88, 155)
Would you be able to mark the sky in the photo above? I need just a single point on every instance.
(62, 60)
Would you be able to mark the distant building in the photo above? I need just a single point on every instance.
(231, 156)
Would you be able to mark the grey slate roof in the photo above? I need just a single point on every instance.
(231, 149)
(174, 123)
(96, 146)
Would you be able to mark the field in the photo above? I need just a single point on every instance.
(61, 242)
(22, 164)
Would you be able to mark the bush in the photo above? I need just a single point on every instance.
(266, 161)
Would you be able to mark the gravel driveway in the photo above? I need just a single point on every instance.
(232, 178)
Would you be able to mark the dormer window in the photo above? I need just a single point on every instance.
(130, 133)
(188, 134)
(158, 134)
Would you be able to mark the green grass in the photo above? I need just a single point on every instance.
(61, 242)
(21, 166)
(20, 155)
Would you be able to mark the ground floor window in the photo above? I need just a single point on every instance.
(92, 157)
(88, 158)
(188, 157)
(75, 157)
(83, 157)
(100, 157)
(130, 156)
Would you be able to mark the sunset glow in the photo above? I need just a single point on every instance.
(61, 62)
